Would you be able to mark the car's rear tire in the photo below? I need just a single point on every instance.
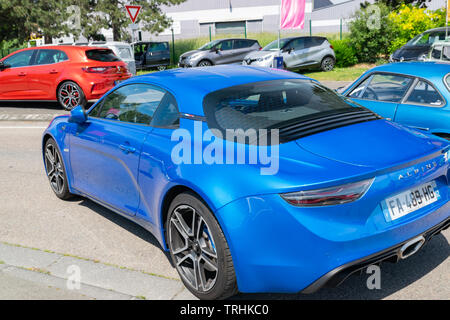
(70, 95)
(199, 250)
(327, 64)
(56, 171)
(204, 63)
(161, 68)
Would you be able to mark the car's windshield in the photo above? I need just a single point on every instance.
(270, 104)
(209, 45)
(427, 38)
(273, 46)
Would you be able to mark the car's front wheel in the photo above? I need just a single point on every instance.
(56, 172)
(327, 64)
(205, 63)
(70, 95)
(199, 250)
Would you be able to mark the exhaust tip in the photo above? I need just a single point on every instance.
(411, 247)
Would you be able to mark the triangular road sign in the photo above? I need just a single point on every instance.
(133, 12)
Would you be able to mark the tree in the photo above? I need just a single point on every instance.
(395, 4)
(21, 18)
(111, 14)
(371, 32)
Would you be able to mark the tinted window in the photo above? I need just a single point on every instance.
(46, 56)
(158, 46)
(383, 87)
(225, 45)
(268, 104)
(297, 44)
(105, 55)
(134, 103)
(167, 114)
(313, 42)
(240, 44)
(20, 59)
(425, 93)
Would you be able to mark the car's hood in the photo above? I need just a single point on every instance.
(411, 52)
(190, 53)
(376, 144)
(260, 53)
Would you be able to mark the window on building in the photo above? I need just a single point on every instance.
(319, 4)
(234, 27)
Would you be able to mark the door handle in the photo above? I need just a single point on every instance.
(53, 71)
(22, 74)
(127, 149)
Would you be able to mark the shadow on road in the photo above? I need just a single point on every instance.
(128, 225)
(394, 276)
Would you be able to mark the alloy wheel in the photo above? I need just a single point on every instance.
(328, 64)
(69, 96)
(193, 248)
(55, 171)
(204, 63)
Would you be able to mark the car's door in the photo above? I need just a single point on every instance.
(14, 80)
(422, 108)
(381, 93)
(105, 151)
(157, 53)
(241, 48)
(295, 53)
(43, 75)
(224, 53)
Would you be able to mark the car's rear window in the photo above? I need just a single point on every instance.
(103, 55)
(270, 104)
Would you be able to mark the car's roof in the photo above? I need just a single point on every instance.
(192, 84)
(427, 69)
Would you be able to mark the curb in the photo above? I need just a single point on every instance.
(29, 117)
(96, 280)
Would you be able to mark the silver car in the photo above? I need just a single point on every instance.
(297, 53)
(121, 49)
(224, 51)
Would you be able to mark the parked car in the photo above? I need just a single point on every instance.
(121, 49)
(418, 47)
(346, 188)
(440, 51)
(415, 94)
(71, 75)
(297, 53)
(224, 51)
(152, 55)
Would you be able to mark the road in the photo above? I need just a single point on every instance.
(34, 223)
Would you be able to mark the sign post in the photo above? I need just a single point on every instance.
(133, 12)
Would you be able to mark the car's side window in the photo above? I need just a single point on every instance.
(225, 45)
(384, 87)
(446, 53)
(425, 93)
(167, 114)
(135, 103)
(240, 44)
(49, 56)
(20, 59)
(297, 44)
(358, 91)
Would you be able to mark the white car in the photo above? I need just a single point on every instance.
(297, 53)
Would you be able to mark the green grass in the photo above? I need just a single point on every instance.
(340, 74)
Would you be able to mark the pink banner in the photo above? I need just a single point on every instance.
(292, 14)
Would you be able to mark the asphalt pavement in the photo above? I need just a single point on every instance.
(42, 238)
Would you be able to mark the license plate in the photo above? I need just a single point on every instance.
(406, 202)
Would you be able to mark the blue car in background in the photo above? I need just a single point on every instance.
(325, 187)
(415, 94)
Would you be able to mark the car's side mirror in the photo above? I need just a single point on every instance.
(78, 115)
(288, 50)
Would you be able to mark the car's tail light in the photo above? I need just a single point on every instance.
(100, 69)
(331, 46)
(328, 196)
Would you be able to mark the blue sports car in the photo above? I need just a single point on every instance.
(415, 94)
(255, 180)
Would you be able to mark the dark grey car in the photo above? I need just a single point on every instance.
(152, 55)
(224, 51)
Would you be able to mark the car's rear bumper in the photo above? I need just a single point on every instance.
(94, 86)
(277, 247)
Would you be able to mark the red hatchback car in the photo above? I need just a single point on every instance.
(71, 75)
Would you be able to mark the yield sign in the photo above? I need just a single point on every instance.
(133, 12)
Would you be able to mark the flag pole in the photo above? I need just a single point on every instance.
(279, 28)
(446, 21)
